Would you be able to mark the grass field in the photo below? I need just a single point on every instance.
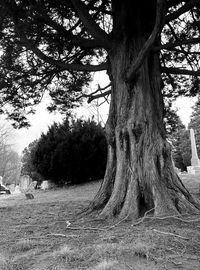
(46, 234)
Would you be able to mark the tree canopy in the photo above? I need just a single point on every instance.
(55, 45)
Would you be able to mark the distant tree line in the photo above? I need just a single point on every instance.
(75, 151)
(72, 152)
(9, 159)
(181, 151)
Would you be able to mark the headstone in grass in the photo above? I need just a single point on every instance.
(17, 190)
(45, 185)
(11, 187)
(29, 196)
(32, 186)
(25, 182)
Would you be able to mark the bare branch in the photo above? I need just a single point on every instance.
(100, 89)
(180, 71)
(149, 43)
(103, 94)
(93, 95)
(90, 24)
(181, 10)
(171, 234)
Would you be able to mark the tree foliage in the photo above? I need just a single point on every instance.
(54, 45)
(9, 159)
(181, 139)
(195, 123)
(71, 152)
(181, 152)
(28, 167)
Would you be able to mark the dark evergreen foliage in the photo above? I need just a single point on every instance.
(195, 123)
(71, 152)
(181, 148)
(27, 156)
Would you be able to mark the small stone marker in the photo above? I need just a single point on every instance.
(17, 190)
(32, 186)
(45, 185)
(11, 188)
(29, 196)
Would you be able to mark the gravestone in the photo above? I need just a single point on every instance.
(195, 162)
(17, 190)
(11, 187)
(24, 182)
(32, 186)
(3, 188)
(45, 185)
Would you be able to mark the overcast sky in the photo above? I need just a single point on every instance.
(42, 119)
(184, 106)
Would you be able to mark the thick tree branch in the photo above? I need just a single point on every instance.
(90, 25)
(60, 63)
(149, 43)
(74, 39)
(171, 45)
(180, 71)
(181, 10)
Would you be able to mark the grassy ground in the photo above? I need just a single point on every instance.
(46, 234)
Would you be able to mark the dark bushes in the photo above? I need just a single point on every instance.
(73, 152)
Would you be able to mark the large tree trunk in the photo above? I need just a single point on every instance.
(140, 174)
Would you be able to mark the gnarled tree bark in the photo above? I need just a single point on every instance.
(140, 174)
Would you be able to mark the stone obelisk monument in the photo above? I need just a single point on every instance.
(195, 162)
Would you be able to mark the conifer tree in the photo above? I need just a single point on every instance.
(195, 123)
